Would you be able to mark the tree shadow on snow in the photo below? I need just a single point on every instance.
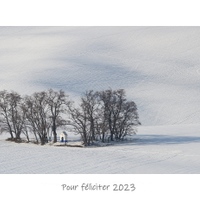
(165, 139)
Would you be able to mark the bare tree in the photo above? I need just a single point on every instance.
(31, 122)
(38, 116)
(128, 120)
(85, 119)
(112, 101)
(90, 106)
(5, 113)
(120, 115)
(101, 126)
(79, 122)
(57, 102)
(13, 115)
(17, 115)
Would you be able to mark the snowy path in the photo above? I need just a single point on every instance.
(155, 150)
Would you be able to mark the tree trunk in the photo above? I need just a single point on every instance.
(54, 132)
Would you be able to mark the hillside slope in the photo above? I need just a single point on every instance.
(159, 67)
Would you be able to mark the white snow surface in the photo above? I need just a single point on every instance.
(159, 67)
(154, 150)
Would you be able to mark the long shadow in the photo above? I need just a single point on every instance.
(160, 140)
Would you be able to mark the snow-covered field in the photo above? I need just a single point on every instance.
(159, 67)
(154, 150)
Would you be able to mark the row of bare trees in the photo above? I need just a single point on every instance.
(38, 114)
(102, 115)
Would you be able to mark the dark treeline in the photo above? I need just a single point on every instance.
(101, 116)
